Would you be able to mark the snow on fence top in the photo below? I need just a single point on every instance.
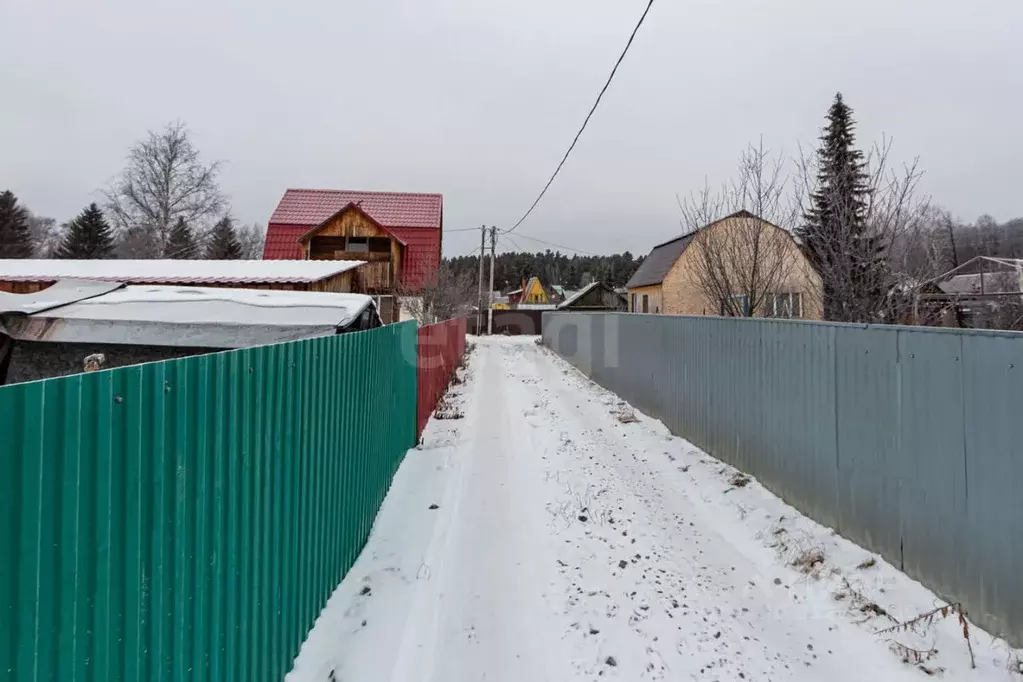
(171, 270)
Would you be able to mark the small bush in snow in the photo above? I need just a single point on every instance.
(626, 415)
(807, 561)
(739, 479)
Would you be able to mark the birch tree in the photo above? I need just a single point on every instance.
(164, 182)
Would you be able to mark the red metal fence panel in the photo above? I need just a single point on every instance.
(439, 351)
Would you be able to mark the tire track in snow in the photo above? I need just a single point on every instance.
(732, 621)
(570, 546)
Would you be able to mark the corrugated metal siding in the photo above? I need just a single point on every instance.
(422, 257)
(281, 241)
(187, 520)
(906, 440)
(440, 349)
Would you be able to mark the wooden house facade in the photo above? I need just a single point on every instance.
(351, 234)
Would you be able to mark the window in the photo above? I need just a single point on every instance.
(646, 303)
(634, 309)
(789, 306)
(736, 305)
(358, 245)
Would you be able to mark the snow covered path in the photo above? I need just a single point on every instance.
(574, 541)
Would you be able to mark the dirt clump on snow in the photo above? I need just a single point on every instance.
(739, 479)
(808, 560)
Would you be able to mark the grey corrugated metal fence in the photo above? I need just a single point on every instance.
(907, 440)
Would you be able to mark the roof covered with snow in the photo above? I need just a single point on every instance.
(579, 294)
(191, 316)
(172, 270)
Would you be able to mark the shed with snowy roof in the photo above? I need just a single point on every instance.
(27, 275)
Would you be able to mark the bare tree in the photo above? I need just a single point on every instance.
(46, 235)
(164, 182)
(743, 264)
(449, 295)
(252, 239)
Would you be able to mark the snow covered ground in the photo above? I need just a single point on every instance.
(551, 533)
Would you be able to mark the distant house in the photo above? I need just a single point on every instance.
(26, 276)
(531, 293)
(984, 292)
(595, 297)
(559, 293)
(398, 233)
(667, 281)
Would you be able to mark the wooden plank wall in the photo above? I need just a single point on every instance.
(380, 274)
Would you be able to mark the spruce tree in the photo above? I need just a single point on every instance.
(835, 232)
(224, 243)
(15, 236)
(87, 236)
(181, 242)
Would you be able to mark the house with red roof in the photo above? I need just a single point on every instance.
(398, 234)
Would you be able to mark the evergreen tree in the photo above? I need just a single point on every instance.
(87, 236)
(181, 242)
(835, 233)
(15, 237)
(224, 243)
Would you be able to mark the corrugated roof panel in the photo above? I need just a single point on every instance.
(390, 209)
(171, 270)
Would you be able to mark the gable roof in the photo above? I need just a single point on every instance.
(353, 207)
(655, 266)
(529, 287)
(579, 294)
(579, 298)
(415, 219)
(309, 207)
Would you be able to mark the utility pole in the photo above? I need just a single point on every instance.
(479, 299)
(490, 291)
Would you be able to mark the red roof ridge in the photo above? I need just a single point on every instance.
(364, 191)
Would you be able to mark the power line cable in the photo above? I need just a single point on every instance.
(588, 116)
(514, 243)
(559, 246)
(466, 255)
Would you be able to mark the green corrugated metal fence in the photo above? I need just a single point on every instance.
(187, 520)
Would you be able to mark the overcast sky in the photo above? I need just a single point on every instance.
(478, 99)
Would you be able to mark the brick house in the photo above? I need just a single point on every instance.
(667, 281)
